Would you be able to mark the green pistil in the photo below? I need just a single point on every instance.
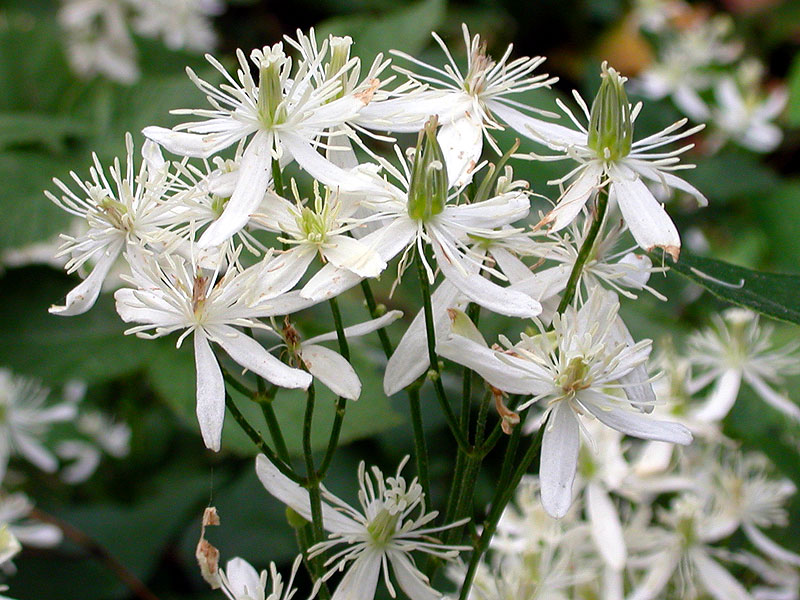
(610, 124)
(427, 192)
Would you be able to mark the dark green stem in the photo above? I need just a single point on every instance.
(372, 306)
(584, 252)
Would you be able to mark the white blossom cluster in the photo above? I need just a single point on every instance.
(700, 66)
(98, 33)
(220, 245)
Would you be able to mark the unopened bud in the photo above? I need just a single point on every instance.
(295, 519)
(427, 192)
(610, 124)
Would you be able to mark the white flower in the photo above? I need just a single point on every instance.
(14, 508)
(608, 157)
(420, 209)
(98, 40)
(735, 349)
(470, 105)
(240, 581)
(182, 23)
(25, 420)
(577, 369)
(382, 535)
(125, 214)
(283, 111)
(9, 548)
(171, 294)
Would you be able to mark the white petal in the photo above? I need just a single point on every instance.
(410, 359)
(645, 216)
(670, 180)
(253, 356)
(722, 398)
(511, 266)
(410, 579)
(39, 535)
(771, 397)
(359, 330)
(361, 579)
(210, 392)
(657, 577)
(718, 582)
(85, 294)
(243, 579)
(559, 460)
(654, 458)
(605, 526)
(282, 272)
(319, 167)
(574, 198)
(637, 384)
(254, 175)
(194, 144)
(348, 253)
(296, 497)
(768, 547)
(641, 426)
(462, 142)
(32, 450)
(494, 212)
(536, 129)
(332, 370)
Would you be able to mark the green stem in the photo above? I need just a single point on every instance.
(274, 427)
(341, 402)
(277, 178)
(584, 252)
(430, 334)
(259, 442)
(372, 306)
(502, 497)
(238, 385)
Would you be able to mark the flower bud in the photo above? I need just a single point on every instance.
(610, 125)
(427, 191)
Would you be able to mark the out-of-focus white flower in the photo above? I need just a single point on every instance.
(240, 581)
(181, 23)
(284, 112)
(683, 68)
(9, 547)
(171, 294)
(381, 535)
(655, 15)
(470, 105)
(97, 38)
(577, 369)
(125, 215)
(608, 157)
(736, 349)
(25, 420)
(14, 510)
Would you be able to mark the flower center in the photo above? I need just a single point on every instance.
(610, 124)
(575, 376)
(427, 193)
(271, 110)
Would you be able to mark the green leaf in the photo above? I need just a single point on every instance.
(51, 131)
(779, 214)
(407, 29)
(772, 294)
(90, 347)
(732, 175)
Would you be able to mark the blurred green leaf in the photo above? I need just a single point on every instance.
(90, 347)
(33, 128)
(731, 175)
(771, 294)
(793, 112)
(779, 214)
(407, 29)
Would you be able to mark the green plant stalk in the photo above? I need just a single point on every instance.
(277, 178)
(584, 252)
(501, 498)
(341, 403)
(430, 334)
(259, 442)
(420, 447)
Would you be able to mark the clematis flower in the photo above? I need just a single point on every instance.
(14, 512)
(470, 105)
(240, 581)
(608, 157)
(383, 534)
(126, 214)
(737, 349)
(419, 209)
(25, 420)
(576, 369)
(284, 112)
(171, 294)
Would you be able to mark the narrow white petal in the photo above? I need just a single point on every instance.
(319, 167)
(462, 142)
(361, 579)
(359, 330)
(194, 144)
(296, 497)
(253, 356)
(37, 454)
(641, 426)
(511, 266)
(645, 216)
(332, 370)
(243, 578)
(410, 579)
(210, 392)
(605, 526)
(657, 577)
(551, 134)
(85, 294)
(254, 175)
(768, 547)
(773, 398)
(719, 583)
(723, 396)
(637, 384)
(282, 272)
(559, 460)
(349, 253)
(574, 198)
